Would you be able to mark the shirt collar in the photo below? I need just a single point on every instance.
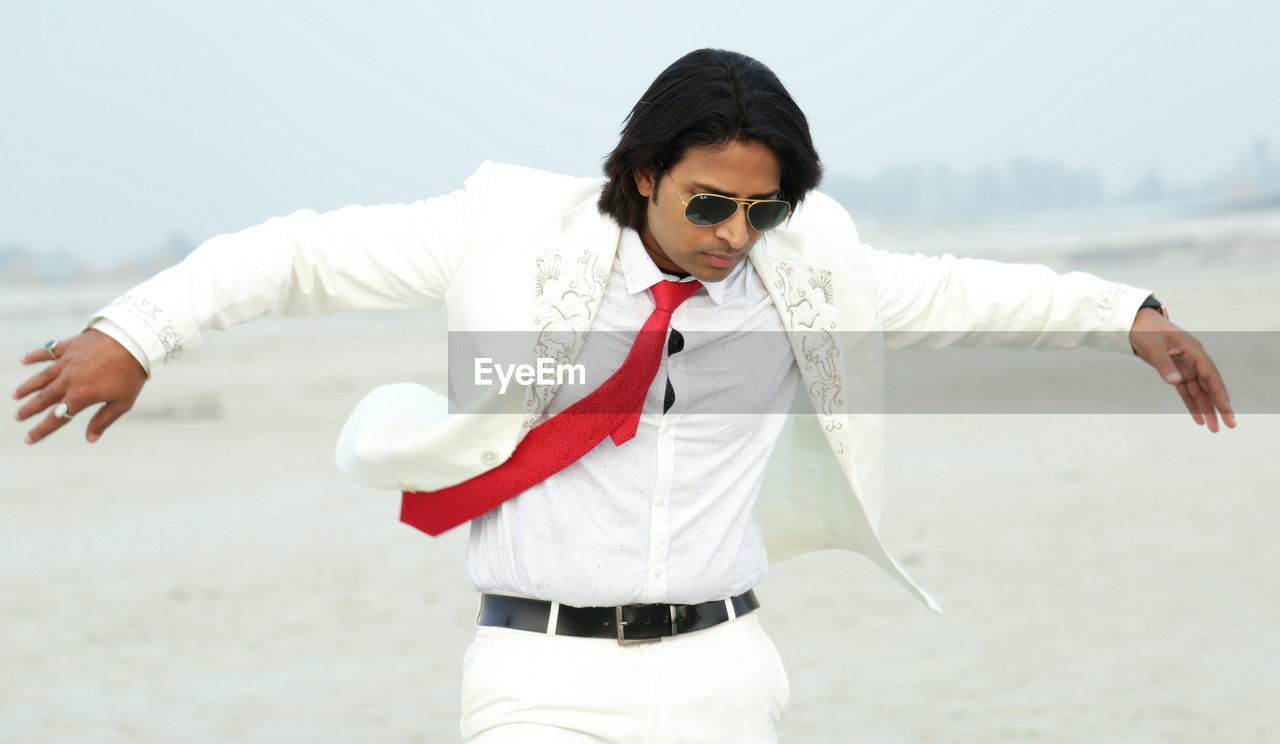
(640, 272)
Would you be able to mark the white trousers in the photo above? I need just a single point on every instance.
(722, 684)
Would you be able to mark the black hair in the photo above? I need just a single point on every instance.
(708, 97)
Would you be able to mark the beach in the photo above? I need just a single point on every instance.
(204, 573)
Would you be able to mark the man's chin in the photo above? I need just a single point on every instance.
(704, 274)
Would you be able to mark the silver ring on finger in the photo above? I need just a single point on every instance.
(62, 412)
(49, 346)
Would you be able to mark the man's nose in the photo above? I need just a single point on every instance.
(735, 231)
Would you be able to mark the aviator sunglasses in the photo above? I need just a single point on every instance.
(705, 210)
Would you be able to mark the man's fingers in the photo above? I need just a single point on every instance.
(41, 354)
(1228, 414)
(1198, 390)
(1204, 403)
(48, 425)
(106, 416)
(36, 381)
(1211, 380)
(49, 396)
(1189, 402)
(1205, 387)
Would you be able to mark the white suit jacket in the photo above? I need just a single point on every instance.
(523, 250)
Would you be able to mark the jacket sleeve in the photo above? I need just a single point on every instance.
(936, 301)
(380, 257)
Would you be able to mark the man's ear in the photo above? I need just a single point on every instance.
(644, 181)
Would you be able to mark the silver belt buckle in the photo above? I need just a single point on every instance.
(620, 624)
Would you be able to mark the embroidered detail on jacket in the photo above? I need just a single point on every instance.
(566, 297)
(820, 279)
(156, 320)
(820, 354)
(810, 306)
(1111, 294)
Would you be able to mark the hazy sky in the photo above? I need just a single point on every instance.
(124, 122)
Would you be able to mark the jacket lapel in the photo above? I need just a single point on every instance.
(820, 290)
(803, 293)
(572, 270)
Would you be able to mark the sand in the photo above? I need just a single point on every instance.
(203, 574)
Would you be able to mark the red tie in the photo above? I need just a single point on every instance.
(613, 409)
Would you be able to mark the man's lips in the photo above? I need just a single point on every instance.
(721, 260)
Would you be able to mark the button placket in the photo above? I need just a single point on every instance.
(660, 507)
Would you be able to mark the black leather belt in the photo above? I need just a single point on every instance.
(639, 623)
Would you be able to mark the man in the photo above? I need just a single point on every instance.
(615, 536)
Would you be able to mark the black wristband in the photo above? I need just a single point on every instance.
(1154, 304)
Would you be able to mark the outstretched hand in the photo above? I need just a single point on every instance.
(1182, 362)
(90, 368)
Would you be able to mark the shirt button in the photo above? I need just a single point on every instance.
(666, 428)
(489, 456)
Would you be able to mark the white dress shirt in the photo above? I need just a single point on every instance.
(669, 516)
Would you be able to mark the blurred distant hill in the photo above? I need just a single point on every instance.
(1025, 187)
(19, 265)
(1021, 189)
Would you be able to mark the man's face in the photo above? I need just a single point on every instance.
(745, 170)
